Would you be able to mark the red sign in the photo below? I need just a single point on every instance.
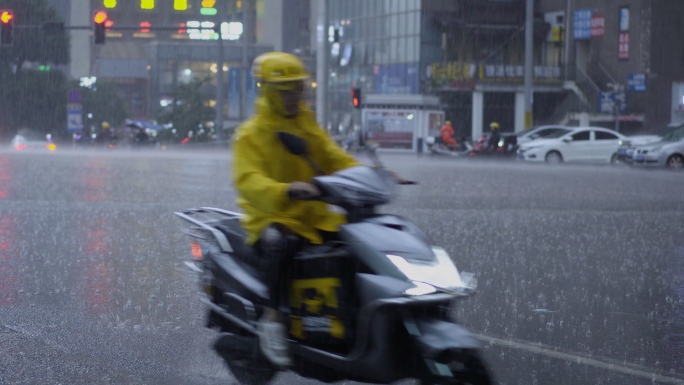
(598, 26)
(623, 45)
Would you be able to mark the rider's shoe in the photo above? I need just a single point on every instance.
(273, 343)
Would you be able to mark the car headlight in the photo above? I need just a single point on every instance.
(439, 274)
(656, 149)
(621, 142)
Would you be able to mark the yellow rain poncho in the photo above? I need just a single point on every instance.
(263, 169)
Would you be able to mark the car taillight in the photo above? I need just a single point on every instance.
(20, 147)
(196, 250)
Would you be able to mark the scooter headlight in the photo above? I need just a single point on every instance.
(437, 274)
(420, 288)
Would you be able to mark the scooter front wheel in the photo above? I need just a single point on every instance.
(245, 364)
(467, 368)
(247, 372)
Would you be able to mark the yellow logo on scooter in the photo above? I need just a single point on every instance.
(325, 296)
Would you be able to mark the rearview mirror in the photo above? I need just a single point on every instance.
(293, 143)
(534, 136)
(567, 139)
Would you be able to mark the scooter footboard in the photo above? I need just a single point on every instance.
(433, 337)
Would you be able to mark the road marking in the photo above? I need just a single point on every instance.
(577, 359)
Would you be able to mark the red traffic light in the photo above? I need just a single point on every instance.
(6, 17)
(356, 97)
(100, 17)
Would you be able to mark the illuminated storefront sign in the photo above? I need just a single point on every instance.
(205, 30)
(458, 71)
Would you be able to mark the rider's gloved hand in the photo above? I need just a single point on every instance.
(303, 190)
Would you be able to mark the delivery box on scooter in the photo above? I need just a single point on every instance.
(321, 296)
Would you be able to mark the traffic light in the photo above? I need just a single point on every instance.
(6, 22)
(100, 18)
(356, 97)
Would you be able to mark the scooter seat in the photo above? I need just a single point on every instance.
(236, 238)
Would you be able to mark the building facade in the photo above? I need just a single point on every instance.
(470, 53)
(595, 61)
(632, 46)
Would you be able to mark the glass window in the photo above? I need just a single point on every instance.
(602, 135)
(412, 49)
(401, 6)
(411, 24)
(394, 25)
(401, 23)
(416, 20)
(394, 51)
(582, 135)
(379, 27)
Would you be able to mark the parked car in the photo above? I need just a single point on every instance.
(669, 152)
(541, 132)
(583, 144)
(31, 140)
(626, 147)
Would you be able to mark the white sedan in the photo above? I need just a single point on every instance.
(583, 144)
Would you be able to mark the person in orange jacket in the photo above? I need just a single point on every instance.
(447, 134)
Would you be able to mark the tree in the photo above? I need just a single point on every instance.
(105, 101)
(34, 44)
(30, 98)
(189, 108)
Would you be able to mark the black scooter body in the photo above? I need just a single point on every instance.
(401, 326)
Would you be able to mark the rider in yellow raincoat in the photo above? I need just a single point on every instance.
(266, 173)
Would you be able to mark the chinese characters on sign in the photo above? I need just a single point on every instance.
(612, 102)
(598, 26)
(457, 71)
(582, 24)
(624, 19)
(623, 45)
(636, 82)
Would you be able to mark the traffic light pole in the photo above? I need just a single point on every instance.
(219, 88)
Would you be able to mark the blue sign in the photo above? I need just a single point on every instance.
(397, 79)
(234, 92)
(636, 82)
(582, 24)
(74, 96)
(609, 101)
(74, 118)
(251, 94)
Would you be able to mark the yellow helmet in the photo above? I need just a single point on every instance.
(448, 122)
(494, 126)
(278, 67)
(105, 125)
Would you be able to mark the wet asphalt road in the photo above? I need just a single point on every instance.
(581, 268)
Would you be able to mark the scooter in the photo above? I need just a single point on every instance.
(437, 147)
(373, 305)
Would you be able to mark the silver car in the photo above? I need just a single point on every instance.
(627, 147)
(669, 152)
